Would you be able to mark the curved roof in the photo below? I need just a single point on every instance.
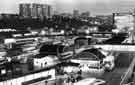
(51, 49)
(90, 54)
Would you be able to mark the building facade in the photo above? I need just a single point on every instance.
(76, 13)
(124, 22)
(25, 10)
(34, 10)
(85, 14)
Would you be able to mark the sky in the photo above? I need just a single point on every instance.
(95, 7)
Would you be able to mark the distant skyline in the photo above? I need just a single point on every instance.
(95, 7)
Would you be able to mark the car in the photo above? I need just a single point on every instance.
(90, 81)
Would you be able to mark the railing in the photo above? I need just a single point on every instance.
(128, 73)
(29, 77)
(125, 48)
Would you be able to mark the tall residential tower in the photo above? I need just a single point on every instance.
(34, 10)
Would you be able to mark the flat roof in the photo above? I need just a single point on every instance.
(36, 80)
(9, 77)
